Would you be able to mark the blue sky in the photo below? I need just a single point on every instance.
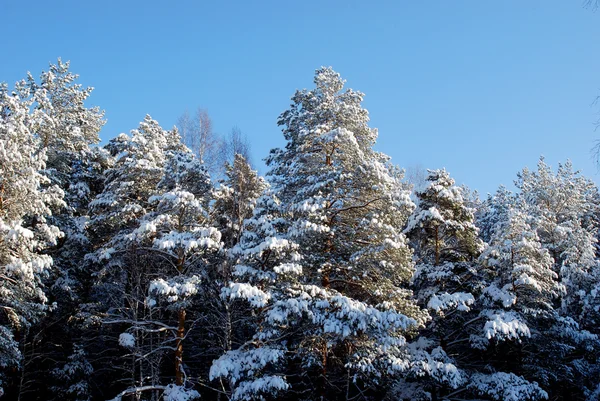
(481, 88)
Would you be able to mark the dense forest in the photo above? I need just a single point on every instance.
(127, 273)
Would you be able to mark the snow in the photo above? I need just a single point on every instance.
(235, 363)
(265, 384)
(505, 326)
(18, 231)
(460, 300)
(175, 289)
(269, 243)
(502, 295)
(256, 297)
(502, 386)
(173, 392)
(126, 340)
(288, 268)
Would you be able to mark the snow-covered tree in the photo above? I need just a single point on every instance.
(71, 379)
(226, 321)
(125, 274)
(339, 306)
(442, 227)
(494, 212)
(235, 198)
(129, 184)
(61, 120)
(565, 208)
(179, 231)
(446, 280)
(523, 285)
(26, 202)
(123, 269)
(522, 330)
(264, 259)
(66, 129)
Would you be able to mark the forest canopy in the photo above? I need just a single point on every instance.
(128, 272)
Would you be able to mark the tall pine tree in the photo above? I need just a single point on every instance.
(339, 309)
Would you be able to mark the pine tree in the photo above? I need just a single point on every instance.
(26, 202)
(523, 331)
(340, 300)
(523, 284)
(122, 269)
(236, 197)
(442, 227)
(64, 128)
(494, 211)
(179, 232)
(564, 214)
(447, 280)
(565, 208)
(226, 321)
(250, 367)
(73, 377)
(129, 183)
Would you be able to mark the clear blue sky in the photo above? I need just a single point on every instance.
(482, 88)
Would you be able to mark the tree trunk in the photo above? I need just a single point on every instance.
(1, 198)
(437, 246)
(179, 348)
(323, 381)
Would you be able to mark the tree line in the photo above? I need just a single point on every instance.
(126, 273)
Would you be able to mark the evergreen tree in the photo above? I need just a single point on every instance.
(64, 129)
(442, 227)
(178, 231)
(122, 269)
(522, 286)
(444, 236)
(235, 198)
(339, 306)
(74, 377)
(447, 280)
(26, 202)
(226, 321)
(125, 273)
(522, 330)
(494, 211)
(565, 211)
